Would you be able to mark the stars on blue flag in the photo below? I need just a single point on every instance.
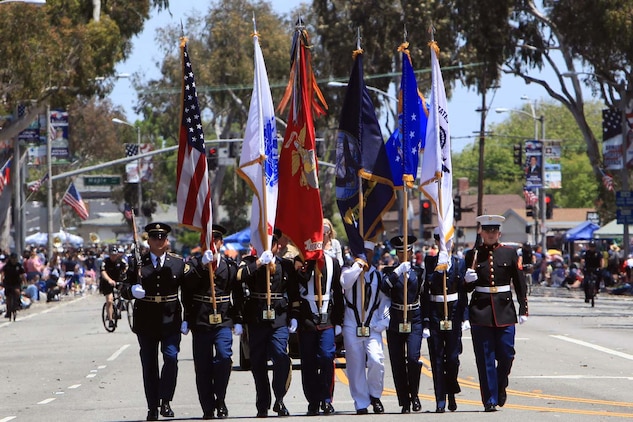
(191, 119)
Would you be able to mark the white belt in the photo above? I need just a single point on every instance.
(440, 298)
(324, 297)
(493, 289)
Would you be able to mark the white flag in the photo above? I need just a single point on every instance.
(260, 157)
(437, 169)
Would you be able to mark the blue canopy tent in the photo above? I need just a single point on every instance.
(238, 241)
(583, 231)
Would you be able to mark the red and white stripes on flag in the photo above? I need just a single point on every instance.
(35, 186)
(73, 198)
(607, 181)
(193, 188)
(530, 197)
(4, 174)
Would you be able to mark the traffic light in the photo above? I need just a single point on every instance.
(457, 208)
(529, 211)
(518, 154)
(426, 212)
(549, 206)
(212, 158)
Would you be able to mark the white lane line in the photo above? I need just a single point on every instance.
(594, 346)
(43, 311)
(7, 419)
(47, 401)
(117, 353)
(72, 387)
(91, 375)
(573, 377)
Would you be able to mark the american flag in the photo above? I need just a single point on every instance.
(73, 198)
(131, 150)
(35, 186)
(530, 197)
(4, 175)
(611, 123)
(607, 181)
(193, 189)
(127, 212)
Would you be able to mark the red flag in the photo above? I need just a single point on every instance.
(193, 189)
(299, 209)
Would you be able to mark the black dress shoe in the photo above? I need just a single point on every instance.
(328, 409)
(165, 410)
(415, 404)
(362, 411)
(502, 397)
(406, 409)
(152, 415)
(377, 404)
(452, 405)
(208, 415)
(223, 412)
(262, 414)
(439, 409)
(313, 410)
(280, 408)
(488, 407)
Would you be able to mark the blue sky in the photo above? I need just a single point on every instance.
(463, 117)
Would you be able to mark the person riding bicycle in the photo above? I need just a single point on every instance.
(592, 266)
(113, 271)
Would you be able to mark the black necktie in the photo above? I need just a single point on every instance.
(158, 266)
(367, 293)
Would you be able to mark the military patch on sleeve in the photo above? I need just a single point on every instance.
(187, 267)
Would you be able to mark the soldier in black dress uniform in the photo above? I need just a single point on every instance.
(319, 320)
(268, 326)
(211, 328)
(157, 317)
(492, 268)
(445, 342)
(404, 340)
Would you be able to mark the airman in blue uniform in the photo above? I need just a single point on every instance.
(404, 336)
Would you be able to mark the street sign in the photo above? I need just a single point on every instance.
(624, 199)
(102, 180)
(624, 216)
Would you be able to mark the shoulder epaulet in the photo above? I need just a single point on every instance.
(175, 255)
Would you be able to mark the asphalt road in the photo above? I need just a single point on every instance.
(573, 363)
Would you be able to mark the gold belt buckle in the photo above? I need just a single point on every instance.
(362, 331)
(493, 289)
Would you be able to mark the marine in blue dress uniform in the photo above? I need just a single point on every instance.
(492, 269)
(211, 328)
(157, 317)
(318, 322)
(268, 330)
(404, 342)
(445, 341)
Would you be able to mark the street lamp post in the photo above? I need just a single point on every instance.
(138, 163)
(541, 192)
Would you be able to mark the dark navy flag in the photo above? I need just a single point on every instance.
(404, 144)
(361, 163)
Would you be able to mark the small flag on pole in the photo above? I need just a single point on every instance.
(73, 198)
(35, 186)
(4, 175)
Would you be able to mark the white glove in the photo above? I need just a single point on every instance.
(522, 319)
(403, 268)
(426, 333)
(207, 257)
(471, 276)
(237, 329)
(465, 325)
(184, 328)
(266, 257)
(138, 291)
(293, 326)
(337, 330)
(443, 261)
(350, 275)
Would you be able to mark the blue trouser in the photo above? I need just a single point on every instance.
(212, 369)
(159, 387)
(266, 343)
(494, 354)
(317, 351)
(445, 346)
(404, 355)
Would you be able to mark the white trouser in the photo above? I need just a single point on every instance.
(364, 384)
